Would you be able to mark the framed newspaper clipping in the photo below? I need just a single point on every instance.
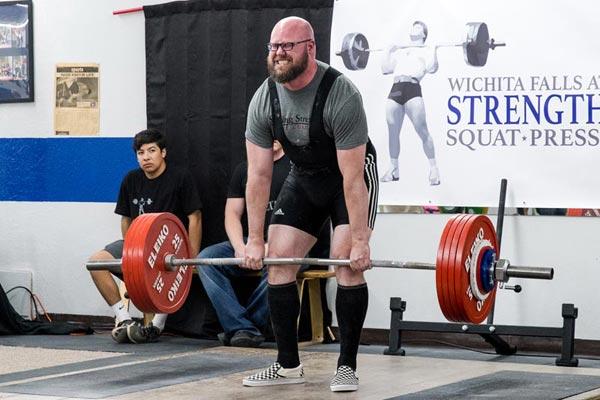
(16, 51)
(77, 105)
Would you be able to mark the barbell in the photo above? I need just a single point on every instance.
(476, 47)
(157, 274)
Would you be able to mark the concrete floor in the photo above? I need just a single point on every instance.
(82, 367)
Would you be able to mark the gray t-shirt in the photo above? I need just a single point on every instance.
(343, 116)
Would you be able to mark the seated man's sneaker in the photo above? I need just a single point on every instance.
(391, 175)
(246, 339)
(119, 332)
(345, 380)
(138, 333)
(276, 375)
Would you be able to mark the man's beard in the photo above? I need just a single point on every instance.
(290, 73)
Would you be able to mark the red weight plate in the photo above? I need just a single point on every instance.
(575, 212)
(462, 275)
(450, 269)
(455, 272)
(478, 235)
(132, 248)
(448, 309)
(151, 286)
(453, 293)
(473, 282)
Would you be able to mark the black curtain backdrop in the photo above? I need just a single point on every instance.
(204, 61)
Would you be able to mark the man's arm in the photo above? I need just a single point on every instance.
(432, 60)
(125, 223)
(260, 172)
(234, 210)
(388, 62)
(195, 232)
(352, 165)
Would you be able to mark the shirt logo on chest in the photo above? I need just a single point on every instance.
(141, 203)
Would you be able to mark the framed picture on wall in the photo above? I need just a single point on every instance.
(16, 51)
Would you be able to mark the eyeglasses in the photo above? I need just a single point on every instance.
(287, 46)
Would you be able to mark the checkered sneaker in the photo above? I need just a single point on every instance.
(119, 332)
(345, 380)
(139, 333)
(276, 375)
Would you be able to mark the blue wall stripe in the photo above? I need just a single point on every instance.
(64, 169)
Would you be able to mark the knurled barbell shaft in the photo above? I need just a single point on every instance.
(512, 271)
(299, 261)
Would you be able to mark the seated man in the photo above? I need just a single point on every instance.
(151, 188)
(243, 325)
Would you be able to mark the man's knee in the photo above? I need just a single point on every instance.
(340, 252)
(208, 252)
(279, 275)
(219, 250)
(346, 276)
(101, 255)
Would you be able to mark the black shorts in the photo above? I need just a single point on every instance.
(306, 200)
(402, 92)
(115, 249)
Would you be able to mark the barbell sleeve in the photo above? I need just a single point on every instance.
(516, 271)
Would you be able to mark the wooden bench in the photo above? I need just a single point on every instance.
(312, 278)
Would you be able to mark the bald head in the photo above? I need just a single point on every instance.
(295, 27)
(292, 53)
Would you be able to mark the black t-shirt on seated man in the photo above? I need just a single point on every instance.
(237, 187)
(172, 191)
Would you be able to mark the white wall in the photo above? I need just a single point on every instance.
(85, 31)
(54, 239)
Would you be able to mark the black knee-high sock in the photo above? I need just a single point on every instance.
(351, 305)
(284, 304)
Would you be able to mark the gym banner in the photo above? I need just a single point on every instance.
(461, 94)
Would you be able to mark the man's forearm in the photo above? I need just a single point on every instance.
(125, 223)
(356, 195)
(257, 196)
(195, 235)
(235, 232)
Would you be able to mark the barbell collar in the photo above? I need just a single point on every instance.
(493, 44)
